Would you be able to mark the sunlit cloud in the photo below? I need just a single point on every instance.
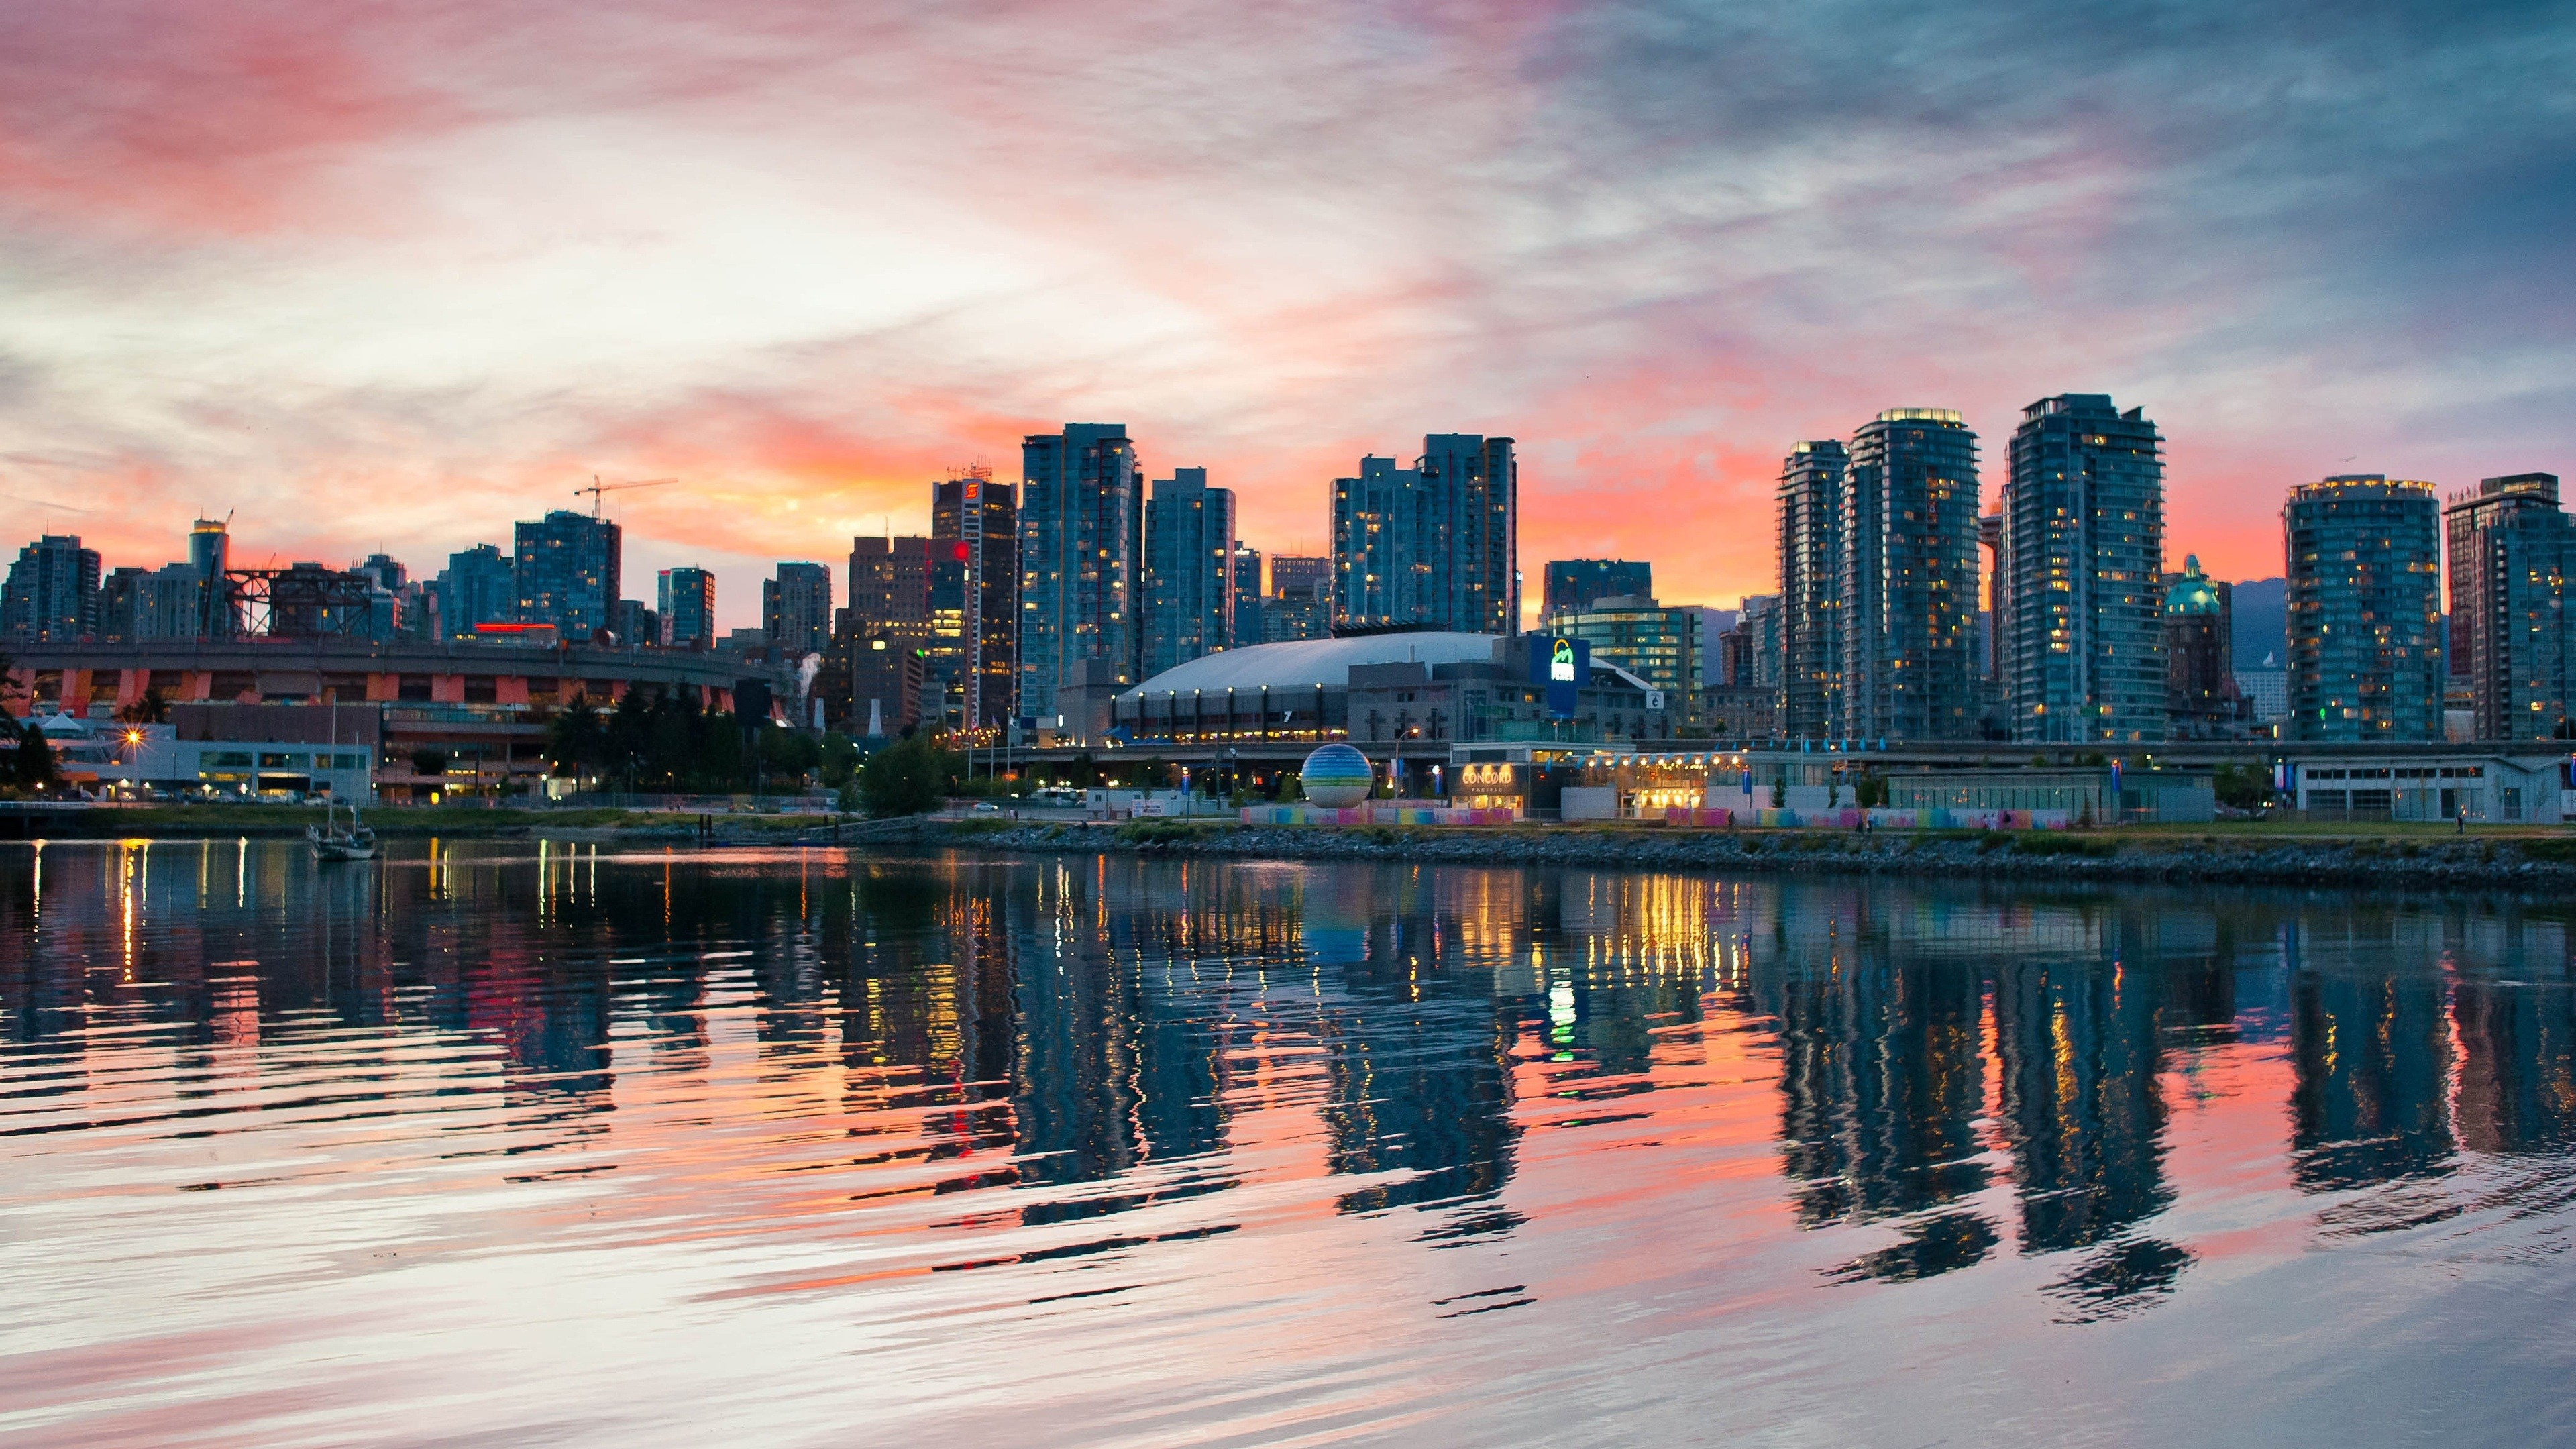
(392, 278)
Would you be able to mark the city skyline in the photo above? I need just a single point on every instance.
(392, 279)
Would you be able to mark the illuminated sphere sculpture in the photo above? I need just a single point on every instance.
(1337, 777)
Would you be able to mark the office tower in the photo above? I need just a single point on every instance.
(1250, 589)
(2079, 634)
(1659, 645)
(169, 603)
(796, 609)
(481, 586)
(2201, 699)
(2510, 556)
(1189, 570)
(1386, 542)
(1810, 623)
(117, 595)
(210, 553)
(1475, 483)
(890, 585)
(386, 570)
(1908, 591)
(975, 527)
(1574, 583)
(569, 568)
(686, 600)
(1298, 575)
(633, 622)
(1433, 545)
(51, 596)
(1760, 619)
(1081, 531)
(2362, 586)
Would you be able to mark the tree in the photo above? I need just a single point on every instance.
(153, 708)
(909, 777)
(577, 738)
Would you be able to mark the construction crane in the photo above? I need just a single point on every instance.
(596, 488)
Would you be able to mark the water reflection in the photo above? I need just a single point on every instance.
(920, 1067)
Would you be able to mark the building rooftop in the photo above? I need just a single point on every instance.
(2191, 594)
(1313, 663)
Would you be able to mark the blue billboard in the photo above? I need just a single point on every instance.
(1563, 665)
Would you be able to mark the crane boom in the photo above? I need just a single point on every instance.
(596, 488)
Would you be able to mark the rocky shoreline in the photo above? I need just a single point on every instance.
(2538, 866)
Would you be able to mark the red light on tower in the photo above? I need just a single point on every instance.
(959, 553)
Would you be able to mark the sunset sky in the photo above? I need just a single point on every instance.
(389, 276)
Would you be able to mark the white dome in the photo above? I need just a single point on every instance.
(1311, 663)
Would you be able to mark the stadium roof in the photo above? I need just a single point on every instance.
(1312, 663)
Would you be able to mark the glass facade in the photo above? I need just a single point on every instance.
(567, 567)
(686, 600)
(1907, 595)
(1435, 544)
(2078, 627)
(2509, 549)
(1575, 583)
(1082, 532)
(2363, 560)
(973, 658)
(1809, 614)
(1189, 570)
(1659, 645)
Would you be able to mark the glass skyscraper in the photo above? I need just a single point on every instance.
(1575, 582)
(686, 598)
(975, 595)
(568, 572)
(2509, 550)
(1811, 568)
(1907, 594)
(1082, 527)
(2363, 563)
(1435, 544)
(2078, 609)
(796, 609)
(1189, 570)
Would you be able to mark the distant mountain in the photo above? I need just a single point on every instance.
(2262, 622)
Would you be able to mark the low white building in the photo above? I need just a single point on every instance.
(2488, 786)
(141, 758)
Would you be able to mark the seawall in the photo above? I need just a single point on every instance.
(2440, 864)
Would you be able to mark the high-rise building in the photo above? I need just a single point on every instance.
(210, 553)
(1810, 611)
(1574, 583)
(890, 585)
(685, 597)
(974, 650)
(1189, 570)
(1433, 545)
(796, 608)
(632, 622)
(2362, 591)
(1082, 526)
(51, 596)
(1295, 575)
(2201, 698)
(386, 570)
(2510, 551)
(1249, 589)
(1908, 591)
(1475, 482)
(569, 572)
(1386, 542)
(480, 586)
(1300, 605)
(117, 595)
(2078, 622)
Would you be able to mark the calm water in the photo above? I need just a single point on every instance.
(489, 1144)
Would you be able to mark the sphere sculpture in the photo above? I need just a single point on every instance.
(1337, 777)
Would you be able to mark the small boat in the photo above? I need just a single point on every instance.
(331, 842)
